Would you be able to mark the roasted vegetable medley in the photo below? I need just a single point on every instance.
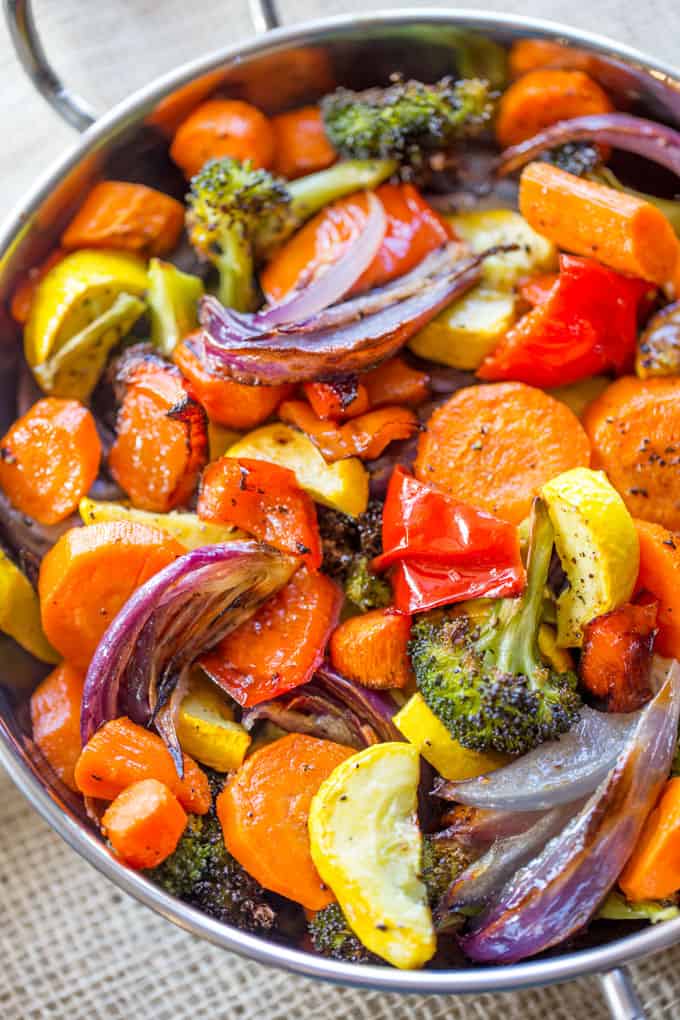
(351, 541)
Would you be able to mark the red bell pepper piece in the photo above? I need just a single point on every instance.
(587, 325)
(444, 550)
(266, 501)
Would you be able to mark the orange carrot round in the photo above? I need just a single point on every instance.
(227, 402)
(300, 143)
(542, 97)
(634, 428)
(653, 871)
(55, 718)
(223, 127)
(144, 824)
(49, 459)
(131, 217)
(372, 649)
(414, 229)
(660, 575)
(264, 809)
(89, 574)
(279, 647)
(122, 753)
(622, 231)
(495, 446)
(529, 54)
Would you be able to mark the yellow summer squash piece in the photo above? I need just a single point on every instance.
(206, 729)
(187, 528)
(20, 612)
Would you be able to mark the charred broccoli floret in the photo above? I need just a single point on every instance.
(237, 213)
(332, 937)
(203, 873)
(443, 860)
(349, 544)
(578, 158)
(413, 123)
(485, 677)
(366, 590)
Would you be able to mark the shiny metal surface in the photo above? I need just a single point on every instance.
(286, 67)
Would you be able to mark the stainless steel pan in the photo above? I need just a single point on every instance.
(281, 67)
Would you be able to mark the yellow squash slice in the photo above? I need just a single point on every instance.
(20, 612)
(206, 729)
(187, 528)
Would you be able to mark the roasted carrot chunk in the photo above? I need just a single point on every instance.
(144, 823)
(279, 647)
(89, 574)
(223, 127)
(161, 435)
(55, 718)
(122, 753)
(542, 97)
(617, 656)
(266, 501)
(653, 871)
(396, 382)
(264, 809)
(372, 649)
(131, 217)
(227, 402)
(49, 459)
(300, 143)
(660, 575)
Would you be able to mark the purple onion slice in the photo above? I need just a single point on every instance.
(141, 663)
(559, 891)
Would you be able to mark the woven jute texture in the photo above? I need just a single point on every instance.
(72, 947)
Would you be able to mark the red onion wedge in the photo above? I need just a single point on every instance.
(484, 878)
(330, 286)
(556, 772)
(655, 142)
(147, 651)
(559, 891)
(349, 337)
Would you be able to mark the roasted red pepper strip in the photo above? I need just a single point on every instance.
(587, 325)
(444, 550)
(266, 501)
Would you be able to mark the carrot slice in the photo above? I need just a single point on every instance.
(542, 97)
(621, 230)
(22, 298)
(300, 143)
(634, 428)
(223, 127)
(617, 656)
(161, 435)
(55, 717)
(49, 459)
(396, 382)
(279, 647)
(495, 446)
(337, 401)
(227, 402)
(529, 54)
(89, 574)
(128, 217)
(122, 753)
(365, 436)
(144, 824)
(372, 649)
(265, 500)
(414, 229)
(264, 809)
(653, 871)
(660, 575)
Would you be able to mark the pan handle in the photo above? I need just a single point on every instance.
(75, 110)
(620, 995)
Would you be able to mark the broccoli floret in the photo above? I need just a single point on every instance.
(578, 158)
(443, 860)
(415, 124)
(366, 590)
(484, 677)
(237, 214)
(203, 873)
(332, 937)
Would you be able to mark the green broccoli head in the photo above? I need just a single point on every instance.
(203, 873)
(413, 123)
(484, 677)
(332, 937)
(366, 590)
(443, 860)
(234, 211)
(578, 158)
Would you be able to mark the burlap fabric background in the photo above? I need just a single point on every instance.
(71, 946)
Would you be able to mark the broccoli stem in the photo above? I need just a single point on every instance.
(517, 647)
(313, 192)
(237, 288)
